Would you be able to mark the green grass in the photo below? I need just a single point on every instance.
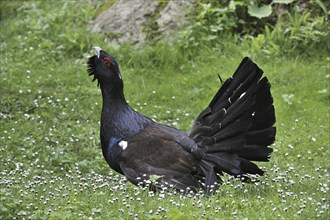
(51, 162)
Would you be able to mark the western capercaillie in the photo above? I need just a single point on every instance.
(235, 129)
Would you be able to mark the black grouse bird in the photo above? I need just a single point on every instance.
(236, 128)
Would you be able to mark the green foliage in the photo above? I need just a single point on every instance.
(297, 32)
(45, 30)
(51, 165)
(264, 11)
(260, 12)
(208, 23)
(279, 27)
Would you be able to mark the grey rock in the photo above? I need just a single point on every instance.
(173, 17)
(126, 20)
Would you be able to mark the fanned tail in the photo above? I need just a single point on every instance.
(237, 126)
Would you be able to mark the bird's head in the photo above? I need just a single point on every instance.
(103, 67)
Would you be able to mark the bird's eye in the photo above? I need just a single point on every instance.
(107, 61)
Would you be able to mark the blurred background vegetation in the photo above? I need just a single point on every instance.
(264, 26)
(268, 27)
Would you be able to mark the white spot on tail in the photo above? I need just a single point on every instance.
(123, 144)
(242, 95)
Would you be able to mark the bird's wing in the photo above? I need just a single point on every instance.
(156, 152)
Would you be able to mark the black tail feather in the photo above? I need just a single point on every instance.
(226, 162)
(211, 177)
(255, 152)
(249, 167)
(237, 127)
(234, 88)
(264, 136)
(230, 144)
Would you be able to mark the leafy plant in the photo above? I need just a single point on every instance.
(264, 10)
(296, 32)
(279, 26)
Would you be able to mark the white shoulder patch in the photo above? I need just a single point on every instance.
(123, 144)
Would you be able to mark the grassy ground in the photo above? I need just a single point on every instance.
(51, 162)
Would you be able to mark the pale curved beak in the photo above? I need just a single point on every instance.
(97, 51)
